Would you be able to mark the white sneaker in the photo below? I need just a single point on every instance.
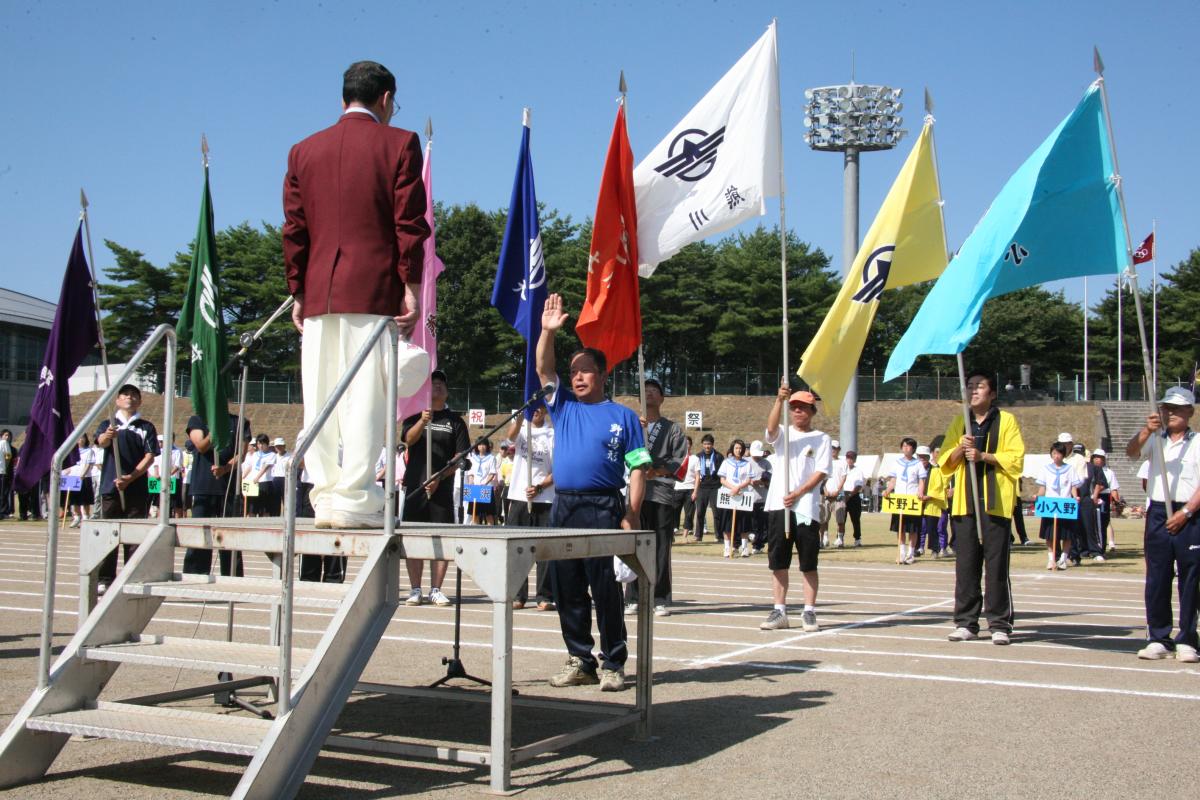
(999, 637)
(630, 608)
(1050, 561)
(745, 553)
(1098, 559)
(839, 543)
(662, 611)
(414, 598)
(1186, 653)
(824, 540)
(728, 551)
(962, 635)
(908, 559)
(437, 598)
(1154, 651)
(1063, 561)
(74, 522)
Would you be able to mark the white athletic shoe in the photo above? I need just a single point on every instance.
(1154, 651)
(630, 608)
(438, 598)
(839, 543)
(1063, 561)
(999, 637)
(1050, 561)
(824, 540)
(1098, 559)
(414, 598)
(1186, 653)
(661, 610)
(745, 553)
(962, 635)
(728, 551)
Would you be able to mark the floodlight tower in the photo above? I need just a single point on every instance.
(852, 119)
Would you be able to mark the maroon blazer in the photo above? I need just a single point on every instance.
(354, 218)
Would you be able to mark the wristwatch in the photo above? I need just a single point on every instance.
(1187, 512)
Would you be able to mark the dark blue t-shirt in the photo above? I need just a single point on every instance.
(591, 441)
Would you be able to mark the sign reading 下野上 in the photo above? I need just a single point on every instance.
(1060, 507)
(477, 493)
(741, 502)
(901, 504)
(693, 419)
(476, 417)
(154, 485)
(70, 483)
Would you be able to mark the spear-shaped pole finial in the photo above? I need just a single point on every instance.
(428, 128)
(928, 101)
(527, 117)
(621, 87)
(1097, 63)
(204, 149)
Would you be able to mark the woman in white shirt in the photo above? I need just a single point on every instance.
(907, 476)
(737, 473)
(484, 471)
(1058, 479)
(85, 496)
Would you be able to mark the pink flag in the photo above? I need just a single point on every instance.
(424, 335)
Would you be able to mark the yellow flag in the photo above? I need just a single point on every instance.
(906, 244)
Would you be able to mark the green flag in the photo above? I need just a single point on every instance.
(201, 324)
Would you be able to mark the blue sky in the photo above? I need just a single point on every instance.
(114, 96)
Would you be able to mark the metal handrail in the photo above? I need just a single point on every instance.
(163, 331)
(293, 477)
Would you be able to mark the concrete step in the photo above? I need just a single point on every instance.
(173, 727)
(204, 655)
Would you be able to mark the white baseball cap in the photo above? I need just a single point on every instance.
(756, 448)
(278, 441)
(922, 450)
(835, 444)
(1065, 438)
(413, 369)
(1177, 396)
(1099, 451)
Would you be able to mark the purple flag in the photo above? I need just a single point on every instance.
(74, 334)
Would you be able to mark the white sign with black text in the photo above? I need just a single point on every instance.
(742, 502)
(693, 419)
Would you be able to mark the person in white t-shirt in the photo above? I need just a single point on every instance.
(759, 521)
(1058, 479)
(831, 500)
(793, 510)
(259, 468)
(683, 493)
(531, 494)
(851, 483)
(737, 474)
(85, 496)
(484, 471)
(907, 476)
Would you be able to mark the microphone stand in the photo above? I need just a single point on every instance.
(453, 663)
(248, 342)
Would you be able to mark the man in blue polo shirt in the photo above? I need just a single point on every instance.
(595, 440)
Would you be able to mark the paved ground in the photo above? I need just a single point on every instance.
(877, 704)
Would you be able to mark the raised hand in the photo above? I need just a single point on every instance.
(553, 316)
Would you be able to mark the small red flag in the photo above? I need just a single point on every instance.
(1145, 251)
(611, 318)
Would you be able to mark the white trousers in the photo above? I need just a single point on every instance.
(328, 347)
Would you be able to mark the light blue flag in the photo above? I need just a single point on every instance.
(1057, 217)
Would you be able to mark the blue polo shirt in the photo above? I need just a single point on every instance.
(591, 441)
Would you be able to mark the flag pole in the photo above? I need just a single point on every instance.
(1085, 339)
(87, 230)
(1120, 337)
(783, 288)
(425, 433)
(624, 90)
(1154, 301)
(1152, 389)
(972, 478)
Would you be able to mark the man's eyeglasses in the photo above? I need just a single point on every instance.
(395, 107)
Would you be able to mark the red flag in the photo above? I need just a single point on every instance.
(611, 319)
(1145, 251)
(681, 473)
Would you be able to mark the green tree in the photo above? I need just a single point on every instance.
(1178, 334)
(138, 298)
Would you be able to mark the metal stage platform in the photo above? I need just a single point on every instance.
(313, 684)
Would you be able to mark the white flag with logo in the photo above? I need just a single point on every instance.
(718, 165)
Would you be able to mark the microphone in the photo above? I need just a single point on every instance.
(540, 394)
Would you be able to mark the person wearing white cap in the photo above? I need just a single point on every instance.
(1092, 494)
(283, 460)
(1110, 495)
(1172, 524)
(833, 503)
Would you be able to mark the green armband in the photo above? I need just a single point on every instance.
(637, 458)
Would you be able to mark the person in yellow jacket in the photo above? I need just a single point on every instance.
(933, 528)
(995, 450)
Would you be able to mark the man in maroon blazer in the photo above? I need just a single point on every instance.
(353, 230)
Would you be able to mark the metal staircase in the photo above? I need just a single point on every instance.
(311, 686)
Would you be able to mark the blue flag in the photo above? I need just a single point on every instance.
(520, 289)
(74, 335)
(1057, 217)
